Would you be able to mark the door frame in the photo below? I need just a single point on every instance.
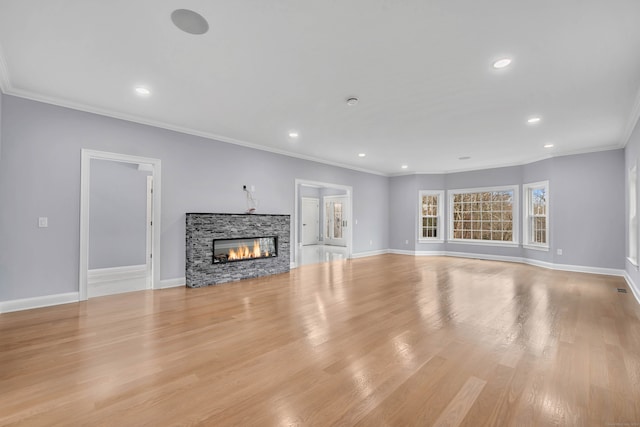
(317, 200)
(85, 193)
(349, 195)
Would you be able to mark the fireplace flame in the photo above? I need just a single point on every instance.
(243, 252)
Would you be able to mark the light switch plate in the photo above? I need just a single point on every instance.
(43, 222)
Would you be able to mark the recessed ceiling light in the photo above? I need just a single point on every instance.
(548, 145)
(140, 90)
(534, 120)
(361, 155)
(189, 21)
(464, 158)
(352, 101)
(501, 63)
(293, 134)
(404, 166)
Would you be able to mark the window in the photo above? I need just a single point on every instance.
(633, 218)
(431, 213)
(484, 215)
(536, 215)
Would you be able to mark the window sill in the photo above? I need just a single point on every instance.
(430, 241)
(537, 248)
(484, 243)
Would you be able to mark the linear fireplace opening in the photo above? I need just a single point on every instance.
(244, 249)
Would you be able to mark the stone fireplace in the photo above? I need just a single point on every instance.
(215, 242)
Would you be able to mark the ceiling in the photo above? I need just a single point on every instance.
(422, 71)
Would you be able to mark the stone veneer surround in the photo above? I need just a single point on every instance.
(203, 228)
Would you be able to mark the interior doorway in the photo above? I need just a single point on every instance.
(341, 237)
(107, 278)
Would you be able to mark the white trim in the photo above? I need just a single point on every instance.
(526, 204)
(37, 302)
(484, 243)
(430, 253)
(369, 253)
(521, 260)
(440, 218)
(292, 265)
(101, 275)
(85, 179)
(634, 288)
(515, 228)
(633, 264)
(173, 283)
(536, 248)
(115, 280)
(402, 252)
(181, 129)
(486, 257)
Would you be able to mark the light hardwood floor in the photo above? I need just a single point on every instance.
(389, 340)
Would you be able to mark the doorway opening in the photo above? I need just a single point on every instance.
(146, 273)
(323, 219)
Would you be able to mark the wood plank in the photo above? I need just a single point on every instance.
(390, 339)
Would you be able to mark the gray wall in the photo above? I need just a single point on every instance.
(631, 156)
(117, 214)
(586, 208)
(40, 176)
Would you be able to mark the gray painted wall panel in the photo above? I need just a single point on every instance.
(587, 208)
(117, 214)
(404, 216)
(40, 176)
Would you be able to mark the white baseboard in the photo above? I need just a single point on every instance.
(114, 280)
(37, 302)
(634, 287)
(544, 264)
(173, 283)
(369, 253)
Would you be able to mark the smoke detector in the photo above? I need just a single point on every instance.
(352, 101)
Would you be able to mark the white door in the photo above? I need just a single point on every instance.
(310, 221)
(335, 220)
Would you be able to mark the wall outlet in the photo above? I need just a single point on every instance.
(406, 242)
(370, 242)
(253, 188)
(43, 222)
(559, 251)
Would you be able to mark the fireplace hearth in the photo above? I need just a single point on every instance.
(261, 241)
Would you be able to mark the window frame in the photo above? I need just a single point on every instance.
(440, 217)
(515, 242)
(527, 214)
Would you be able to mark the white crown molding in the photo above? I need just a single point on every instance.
(37, 302)
(175, 128)
(508, 165)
